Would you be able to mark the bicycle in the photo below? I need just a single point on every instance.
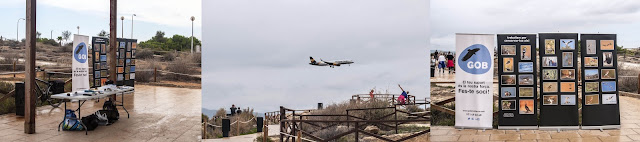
(44, 93)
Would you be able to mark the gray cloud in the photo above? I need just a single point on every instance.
(505, 16)
(256, 53)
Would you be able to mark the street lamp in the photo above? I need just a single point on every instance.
(122, 19)
(192, 19)
(18, 30)
(78, 30)
(132, 25)
(51, 34)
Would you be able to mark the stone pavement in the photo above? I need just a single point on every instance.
(630, 131)
(157, 114)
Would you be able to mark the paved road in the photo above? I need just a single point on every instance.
(273, 130)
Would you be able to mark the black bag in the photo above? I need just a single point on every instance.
(112, 111)
(91, 122)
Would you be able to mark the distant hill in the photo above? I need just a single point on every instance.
(208, 112)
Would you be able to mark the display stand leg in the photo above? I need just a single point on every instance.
(461, 128)
(558, 130)
(601, 129)
(517, 129)
(484, 129)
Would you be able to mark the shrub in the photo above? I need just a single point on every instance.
(168, 56)
(146, 76)
(627, 84)
(7, 105)
(144, 54)
(182, 66)
(9, 58)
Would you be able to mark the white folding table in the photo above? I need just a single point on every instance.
(83, 96)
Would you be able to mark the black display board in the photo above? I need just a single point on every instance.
(99, 55)
(518, 81)
(558, 81)
(600, 107)
(125, 68)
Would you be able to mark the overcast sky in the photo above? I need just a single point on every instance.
(92, 16)
(448, 17)
(256, 53)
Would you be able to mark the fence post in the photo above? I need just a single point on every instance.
(14, 69)
(155, 74)
(282, 127)
(299, 136)
(265, 133)
(204, 132)
(639, 83)
(238, 126)
(356, 132)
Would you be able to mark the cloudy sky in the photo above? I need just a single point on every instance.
(256, 53)
(92, 16)
(448, 17)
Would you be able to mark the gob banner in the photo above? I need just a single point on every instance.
(80, 66)
(474, 81)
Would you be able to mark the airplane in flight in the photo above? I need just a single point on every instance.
(331, 64)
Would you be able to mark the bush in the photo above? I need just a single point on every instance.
(144, 54)
(168, 57)
(146, 76)
(7, 105)
(182, 66)
(627, 84)
(9, 58)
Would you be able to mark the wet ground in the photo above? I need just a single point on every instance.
(157, 114)
(630, 131)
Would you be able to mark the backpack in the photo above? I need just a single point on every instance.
(90, 121)
(71, 122)
(111, 110)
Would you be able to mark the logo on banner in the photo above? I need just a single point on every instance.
(80, 53)
(475, 59)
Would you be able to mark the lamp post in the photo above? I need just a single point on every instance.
(18, 30)
(122, 23)
(132, 25)
(192, 19)
(78, 30)
(51, 34)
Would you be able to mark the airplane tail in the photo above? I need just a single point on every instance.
(312, 60)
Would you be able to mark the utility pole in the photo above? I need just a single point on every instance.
(113, 47)
(122, 19)
(192, 19)
(132, 25)
(18, 30)
(30, 72)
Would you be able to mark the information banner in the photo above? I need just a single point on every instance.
(80, 64)
(600, 107)
(559, 93)
(518, 81)
(474, 81)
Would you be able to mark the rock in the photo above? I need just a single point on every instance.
(372, 129)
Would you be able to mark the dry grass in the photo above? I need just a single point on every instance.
(146, 76)
(627, 84)
(242, 128)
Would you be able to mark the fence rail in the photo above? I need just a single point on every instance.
(291, 123)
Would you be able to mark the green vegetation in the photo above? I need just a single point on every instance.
(176, 42)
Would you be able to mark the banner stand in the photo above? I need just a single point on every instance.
(558, 128)
(518, 127)
(474, 81)
(601, 127)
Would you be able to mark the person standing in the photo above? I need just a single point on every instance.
(441, 62)
(450, 64)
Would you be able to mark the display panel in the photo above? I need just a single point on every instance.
(600, 109)
(517, 81)
(559, 109)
